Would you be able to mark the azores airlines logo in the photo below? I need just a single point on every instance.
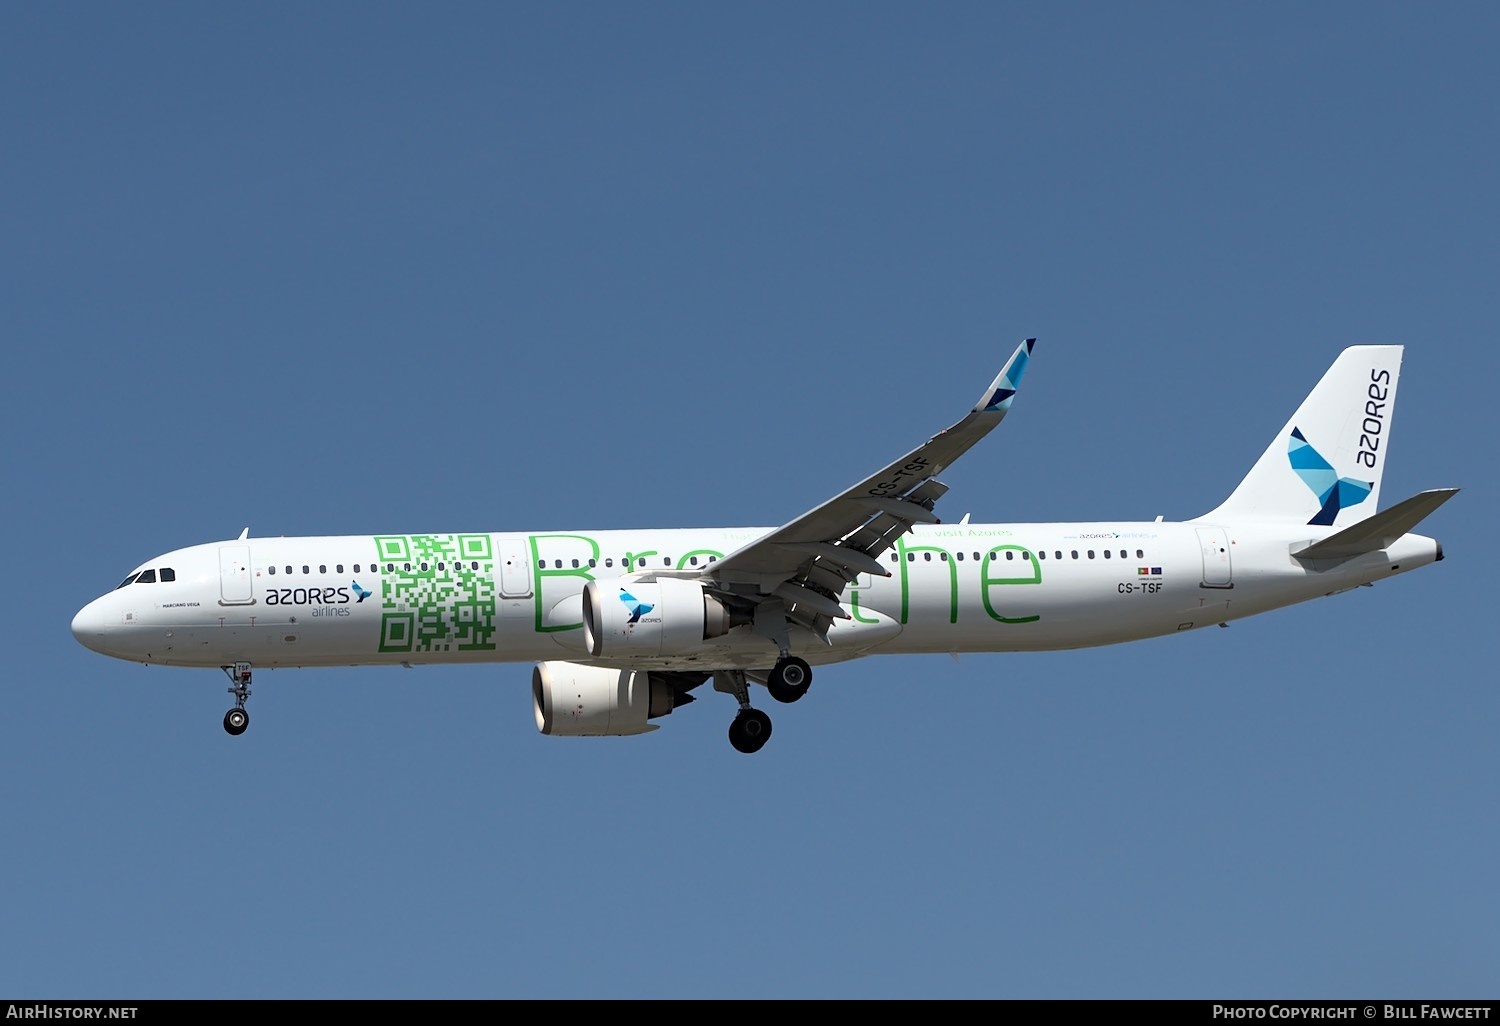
(362, 593)
(1334, 492)
(637, 608)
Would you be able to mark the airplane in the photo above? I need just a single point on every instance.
(623, 625)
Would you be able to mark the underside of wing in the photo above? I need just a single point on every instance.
(796, 573)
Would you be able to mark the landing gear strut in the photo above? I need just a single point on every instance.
(790, 678)
(237, 719)
(751, 728)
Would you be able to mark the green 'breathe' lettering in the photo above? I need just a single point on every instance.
(635, 560)
(854, 608)
(987, 580)
(542, 573)
(901, 550)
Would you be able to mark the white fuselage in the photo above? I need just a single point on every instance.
(515, 597)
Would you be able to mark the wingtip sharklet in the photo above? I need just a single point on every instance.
(1002, 390)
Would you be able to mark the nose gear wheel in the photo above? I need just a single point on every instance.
(237, 719)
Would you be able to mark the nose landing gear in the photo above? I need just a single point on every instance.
(237, 719)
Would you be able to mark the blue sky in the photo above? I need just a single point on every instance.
(375, 268)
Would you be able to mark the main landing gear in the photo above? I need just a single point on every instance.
(751, 729)
(237, 719)
(790, 678)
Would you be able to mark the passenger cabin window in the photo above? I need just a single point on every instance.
(322, 568)
(339, 568)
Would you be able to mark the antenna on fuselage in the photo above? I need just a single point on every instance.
(244, 534)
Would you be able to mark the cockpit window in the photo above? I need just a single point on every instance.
(128, 580)
(147, 577)
(168, 574)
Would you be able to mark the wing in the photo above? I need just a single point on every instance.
(801, 569)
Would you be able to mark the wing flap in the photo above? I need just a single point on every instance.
(865, 520)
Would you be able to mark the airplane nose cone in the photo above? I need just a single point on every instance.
(88, 626)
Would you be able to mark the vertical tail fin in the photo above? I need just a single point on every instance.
(1324, 467)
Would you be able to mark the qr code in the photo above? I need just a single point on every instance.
(437, 592)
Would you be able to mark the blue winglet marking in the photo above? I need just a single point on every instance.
(1010, 379)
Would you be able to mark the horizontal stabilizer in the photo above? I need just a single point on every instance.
(1379, 531)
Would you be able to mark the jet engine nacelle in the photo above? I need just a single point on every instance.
(669, 616)
(571, 700)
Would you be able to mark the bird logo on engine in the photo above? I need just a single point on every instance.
(637, 608)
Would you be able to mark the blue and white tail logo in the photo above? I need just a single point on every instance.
(637, 608)
(1348, 415)
(1334, 492)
